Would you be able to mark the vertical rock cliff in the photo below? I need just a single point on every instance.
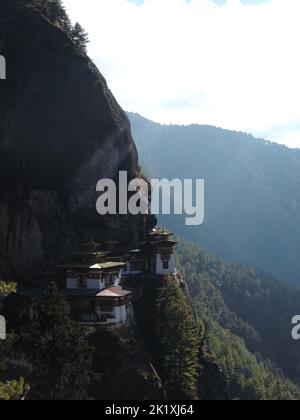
(61, 130)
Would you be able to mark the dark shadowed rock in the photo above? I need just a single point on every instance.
(61, 130)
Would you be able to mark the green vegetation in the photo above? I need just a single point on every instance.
(252, 192)
(169, 329)
(11, 389)
(247, 316)
(59, 362)
(79, 36)
(7, 288)
(120, 371)
(52, 9)
(178, 341)
(248, 376)
(55, 11)
(242, 349)
(57, 350)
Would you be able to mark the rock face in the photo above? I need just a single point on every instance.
(61, 130)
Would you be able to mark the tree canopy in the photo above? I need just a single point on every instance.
(57, 350)
(79, 36)
(55, 11)
(248, 315)
(10, 389)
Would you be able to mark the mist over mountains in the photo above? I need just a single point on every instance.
(252, 192)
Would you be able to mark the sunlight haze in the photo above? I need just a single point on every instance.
(229, 63)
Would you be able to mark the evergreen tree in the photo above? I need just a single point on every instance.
(239, 306)
(54, 10)
(79, 36)
(178, 340)
(58, 351)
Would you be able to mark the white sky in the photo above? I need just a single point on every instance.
(235, 66)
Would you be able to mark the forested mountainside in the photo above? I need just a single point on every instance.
(247, 316)
(252, 192)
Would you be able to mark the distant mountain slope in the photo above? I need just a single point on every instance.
(252, 191)
(248, 324)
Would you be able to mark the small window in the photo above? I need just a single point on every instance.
(82, 283)
(108, 281)
(107, 308)
(165, 265)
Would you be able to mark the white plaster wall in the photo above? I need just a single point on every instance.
(95, 284)
(172, 264)
(98, 311)
(71, 283)
(159, 265)
(120, 313)
(118, 278)
(124, 313)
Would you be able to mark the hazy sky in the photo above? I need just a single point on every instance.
(234, 64)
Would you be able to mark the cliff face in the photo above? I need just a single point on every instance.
(61, 130)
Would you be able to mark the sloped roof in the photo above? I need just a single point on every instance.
(99, 266)
(111, 264)
(114, 292)
(110, 292)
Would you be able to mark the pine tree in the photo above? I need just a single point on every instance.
(80, 37)
(54, 10)
(179, 342)
(58, 351)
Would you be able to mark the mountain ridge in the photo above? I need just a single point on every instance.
(251, 192)
(258, 139)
